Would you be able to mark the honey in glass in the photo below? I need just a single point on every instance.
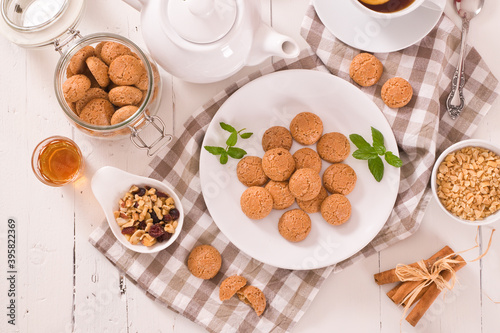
(57, 161)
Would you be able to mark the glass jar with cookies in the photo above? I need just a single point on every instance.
(106, 85)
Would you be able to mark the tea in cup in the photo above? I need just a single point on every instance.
(384, 9)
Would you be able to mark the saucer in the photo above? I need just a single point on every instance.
(355, 28)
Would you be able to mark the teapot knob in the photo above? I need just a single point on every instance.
(201, 7)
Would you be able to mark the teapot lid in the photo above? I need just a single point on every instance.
(202, 21)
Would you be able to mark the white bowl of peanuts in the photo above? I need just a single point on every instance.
(465, 182)
(144, 214)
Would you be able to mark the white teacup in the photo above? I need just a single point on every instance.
(381, 15)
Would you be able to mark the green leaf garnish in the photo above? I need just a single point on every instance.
(365, 153)
(215, 150)
(393, 160)
(223, 158)
(236, 152)
(230, 150)
(233, 138)
(227, 127)
(371, 153)
(376, 166)
(359, 141)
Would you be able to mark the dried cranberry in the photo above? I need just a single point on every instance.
(174, 213)
(141, 225)
(165, 237)
(154, 217)
(156, 231)
(147, 187)
(128, 230)
(141, 191)
(136, 205)
(167, 218)
(160, 194)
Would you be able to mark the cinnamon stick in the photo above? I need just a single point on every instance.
(430, 296)
(390, 276)
(399, 293)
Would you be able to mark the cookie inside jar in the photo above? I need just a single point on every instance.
(107, 84)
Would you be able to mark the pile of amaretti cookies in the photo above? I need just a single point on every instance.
(105, 84)
(278, 179)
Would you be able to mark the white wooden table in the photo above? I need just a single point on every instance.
(65, 285)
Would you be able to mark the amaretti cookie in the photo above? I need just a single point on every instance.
(339, 178)
(282, 197)
(75, 87)
(306, 128)
(277, 137)
(294, 225)
(365, 69)
(123, 114)
(313, 205)
(125, 70)
(278, 164)
(90, 94)
(99, 71)
(125, 95)
(333, 147)
(249, 171)
(254, 297)
(77, 62)
(204, 262)
(230, 286)
(307, 158)
(112, 50)
(256, 202)
(336, 209)
(98, 112)
(305, 184)
(396, 92)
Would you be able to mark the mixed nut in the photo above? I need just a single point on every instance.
(147, 216)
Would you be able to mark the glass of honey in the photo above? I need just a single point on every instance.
(57, 161)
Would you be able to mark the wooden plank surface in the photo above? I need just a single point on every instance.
(65, 285)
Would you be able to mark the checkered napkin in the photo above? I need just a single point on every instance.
(420, 129)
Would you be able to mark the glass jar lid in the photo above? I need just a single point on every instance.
(35, 23)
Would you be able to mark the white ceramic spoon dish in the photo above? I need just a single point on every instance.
(109, 184)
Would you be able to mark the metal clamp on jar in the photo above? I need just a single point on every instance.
(37, 23)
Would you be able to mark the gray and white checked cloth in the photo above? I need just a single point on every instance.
(422, 130)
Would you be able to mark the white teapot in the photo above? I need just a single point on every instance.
(206, 41)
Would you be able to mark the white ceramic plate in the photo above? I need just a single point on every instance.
(275, 99)
(353, 27)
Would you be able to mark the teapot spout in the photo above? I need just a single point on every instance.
(137, 4)
(268, 42)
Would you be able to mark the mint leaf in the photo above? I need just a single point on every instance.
(378, 141)
(223, 158)
(376, 166)
(215, 150)
(365, 154)
(233, 138)
(227, 127)
(246, 135)
(393, 160)
(359, 141)
(236, 152)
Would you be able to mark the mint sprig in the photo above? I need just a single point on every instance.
(372, 153)
(230, 150)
